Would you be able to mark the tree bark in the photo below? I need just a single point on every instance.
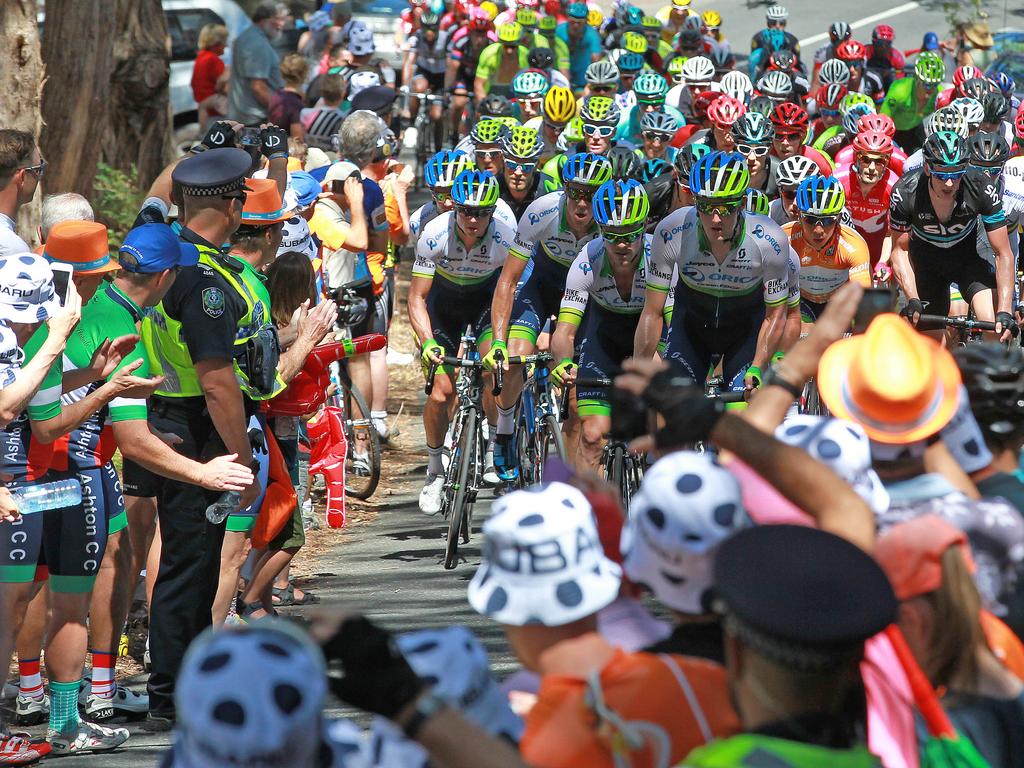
(21, 83)
(106, 95)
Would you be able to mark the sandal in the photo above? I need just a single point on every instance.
(286, 596)
(248, 609)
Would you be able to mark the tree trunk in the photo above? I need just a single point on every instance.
(106, 95)
(21, 83)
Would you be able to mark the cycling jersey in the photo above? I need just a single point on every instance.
(518, 207)
(489, 65)
(466, 50)
(441, 253)
(911, 209)
(831, 140)
(822, 273)
(870, 210)
(900, 105)
(427, 212)
(1012, 182)
(432, 59)
(896, 160)
(755, 749)
(871, 85)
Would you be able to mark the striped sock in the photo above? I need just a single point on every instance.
(64, 706)
(103, 674)
(31, 681)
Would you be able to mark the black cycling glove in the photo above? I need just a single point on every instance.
(219, 134)
(366, 669)
(689, 413)
(914, 306)
(1008, 323)
(273, 142)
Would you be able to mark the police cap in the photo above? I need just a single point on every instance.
(213, 173)
(375, 98)
(801, 597)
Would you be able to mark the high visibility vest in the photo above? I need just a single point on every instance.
(753, 751)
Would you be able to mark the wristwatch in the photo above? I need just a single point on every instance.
(774, 378)
(427, 706)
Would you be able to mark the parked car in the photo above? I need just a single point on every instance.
(381, 16)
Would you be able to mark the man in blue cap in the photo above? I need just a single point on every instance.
(584, 43)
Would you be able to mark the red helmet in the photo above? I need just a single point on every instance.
(876, 124)
(965, 73)
(553, 7)
(788, 117)
(1018, 123)
(725, 110)
(479, 21)
(829, 96)
(702, 102)
(883, 32)
(872, 141)
(851, 51)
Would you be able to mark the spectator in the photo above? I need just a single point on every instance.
(255, 65)
(335, 59)
(286, 105)
(210, 75)
(21, 170)
(66, 206)
(324, 120)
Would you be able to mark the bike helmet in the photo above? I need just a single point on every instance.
(441, 169)
(993, 375)
(737, 85)
(777, 14)
(929, 68)
(976, 88)
(599, 110)
(722, 58)
(674, 69)
(693, 23)
(793, 170)
(634, 42)
(510, 33)
(490, 9)
(971, 109)
(988, 149)
(686, 158)
(548, 25)
(725, 110)
(527, 19)
(629, 63)
(821, 196)
(720, 176)
(625, 163)
(541, 58)
(789, 118)
(700, 104)
(834, 71)
(587, 168)
(830, 96)
(430, 20)
(883, 33)
(658, 121)
(783, 60)
(634, 17)
(654, 168)
(689, 39)
(496, 105)
(651, 22)
(946, 119)
(775, 84)
(761, 104)
(478, 189)
(602, 72)
(508, 122)
(1004, 83)
(621, 203)
(571, 134)
(852, 116)
(774, 39)
(852, 52)
(650, 87)
(839, 31)
(964, 73)
(522, 143)
(559, 105)
(711, 19)
(756, 201)
(488, 131)
(876, 123)
(945, 150)
(529, 84)
(595, 18)
(996, 106)
(873, 141)
(753, 128)
(479, 21)
(698, 71)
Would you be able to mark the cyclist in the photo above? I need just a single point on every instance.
(697, 74)
(484, 144)
(733, 274)
(425, 65)
(458, 260)
(712, 21)
(520, 183)
(462, 60)
(826, 105)
(439, 175)
(626, 163)
(934, 212)
(651, 27)
(601, 117)
(583, 41)
(883, 59)
(771, 40)
(608, 276)
(602, 79)
(737, 85)
(996, 109)
(753, 135)
(672, 17)
(528, 89)
(657, 129)
(630, 65)
(862, 80)
(791, 123)
(500, 62)
(546, 37)
(838, 32)
(670, 192)
(559, 109)
(775, 19)
(990, 155)
(650, 89)
(868, 184)
(853, 108)
(789, 175)
(830, 253)
(550, 235)
(723, 113)
(778, 87)
(876, 124)
(910, 99)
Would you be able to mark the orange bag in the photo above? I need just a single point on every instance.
(279, 500)
(1006, 646)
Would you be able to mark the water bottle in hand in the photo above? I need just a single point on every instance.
(228, 502)
(43, 496)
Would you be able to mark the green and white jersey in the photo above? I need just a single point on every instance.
(440, 252)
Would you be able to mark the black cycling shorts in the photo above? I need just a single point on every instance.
(136, 480)
(936, 268)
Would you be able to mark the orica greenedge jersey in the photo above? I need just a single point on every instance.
(427, 212)
(544, 235)
(591, 278)
(441, 253)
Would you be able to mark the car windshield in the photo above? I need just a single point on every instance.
(184, 27)
(386, 7)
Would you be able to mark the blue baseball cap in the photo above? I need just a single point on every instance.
(578, 11)
(153, 248)
(930, 42)
(303, 190)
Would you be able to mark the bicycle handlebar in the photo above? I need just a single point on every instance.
(938, 322)
(541, 358)
(461, 362)
(737, 396)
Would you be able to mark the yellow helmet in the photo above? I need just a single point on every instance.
(634, 42)
(595, 18)
(527, 18)
(491, 9)
(681, 3)
(510, 33)
(559, 105)
(711, 19)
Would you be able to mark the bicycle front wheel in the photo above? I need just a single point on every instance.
(362, 472)
(551, 441)
(465, 455)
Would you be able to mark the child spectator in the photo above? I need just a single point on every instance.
(324, 120)
(286, 104)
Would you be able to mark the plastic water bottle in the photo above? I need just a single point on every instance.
(228, 502)
(44, 496)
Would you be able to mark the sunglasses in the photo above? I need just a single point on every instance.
(710, 207)
(474, 212)
(828, 112)
(601, 131)
(578, 192)
(487, 154)
(597, 90)
(818, 221)
(654, 104)
(787, 193)
(988, 170)
(554, 126)
(757, 150)
(656, 135)
(532, 103)
(441, 195)
(36, 170)
(614, 238)
(873, 159)
(513, 165)
(797, 136)
(947, 175)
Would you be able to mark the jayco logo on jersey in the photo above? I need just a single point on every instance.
(760, 234)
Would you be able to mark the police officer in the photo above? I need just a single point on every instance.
(212, 340)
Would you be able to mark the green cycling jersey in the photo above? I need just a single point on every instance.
(900, 104)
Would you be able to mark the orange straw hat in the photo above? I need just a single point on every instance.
(899, 385)
(263, 204)
(911, 553)
(83, 245)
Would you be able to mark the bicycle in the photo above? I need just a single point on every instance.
(463, 475)
(423, 127)
(538, 425)
(970, 329)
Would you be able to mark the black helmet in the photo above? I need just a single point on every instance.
(626, 164)
(496, 105)
(541, 58)
(784, 60)
(994, 378)
(988, 149)
(945, 150)
(996, 107)
(976, 88)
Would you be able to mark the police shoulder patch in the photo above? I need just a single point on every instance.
(213, 302)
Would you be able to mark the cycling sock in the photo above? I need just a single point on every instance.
(506, 420)
(103, 674)
(492, 433)
(64, 706)
(31, 683)
(380, 421)
(434, 463)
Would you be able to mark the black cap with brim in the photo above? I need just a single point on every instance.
(213, 173)
(374, 98)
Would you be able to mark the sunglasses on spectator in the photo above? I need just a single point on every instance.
(723, 209)
(487, 154)
(818, 221)
(36, 170)
(614, 238)
(947, 175)
(579, 192)
(657, 135)
(601, 131)
(514, 165)
(757, 150)
(473, 211)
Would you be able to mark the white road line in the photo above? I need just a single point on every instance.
(865, 21)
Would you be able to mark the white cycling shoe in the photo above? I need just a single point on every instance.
(31, 710)
(87, 737)
(431, 495)
(124, 702)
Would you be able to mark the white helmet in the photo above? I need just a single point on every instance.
(737, 85)
(947, 119)
(698, 70)
(971, 109)
(793, 170)
(777, 13)
(834, 71)
(776, 84)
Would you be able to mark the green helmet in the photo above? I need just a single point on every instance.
(720, 176)
(488, 131)
(508, 122)
(599, 110)
(851, 100)
(650, 86)
(945, 151)
(529, 83)
(756, 201)
(674, 68)
(634, 42)
(477, 189)
(651, 22)
(621, 203)
(522, 143)
(929, 68)
(526, 18)
(548, 23)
